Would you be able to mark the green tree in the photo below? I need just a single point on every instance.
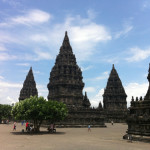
(55, 111)
(38, 109)
(5, 112)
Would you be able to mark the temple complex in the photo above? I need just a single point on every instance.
(66, 85)
(138, 119)
(114, 99)
(29, 87)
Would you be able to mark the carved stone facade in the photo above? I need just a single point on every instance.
(29, 87)
(114, 99)
(66, 85)
(138, 119)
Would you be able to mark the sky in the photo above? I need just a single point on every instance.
(101, 33)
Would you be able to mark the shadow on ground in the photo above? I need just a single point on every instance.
(39, 133)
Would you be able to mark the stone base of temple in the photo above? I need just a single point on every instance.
(117, 116)
(80, 126)
(82, 117)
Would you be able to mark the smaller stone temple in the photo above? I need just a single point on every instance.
(29, 87)
(138, 119)
(114, 99)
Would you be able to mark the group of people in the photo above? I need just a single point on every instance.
(52, 129)
(28, 127)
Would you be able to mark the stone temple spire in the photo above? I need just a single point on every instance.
(65, 82)
(86, 102)
(147, 97)
(114, 95)
(66, 47)
(29, 87)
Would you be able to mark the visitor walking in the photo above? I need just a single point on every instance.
(22, 122)
(14, 127)
(112, 122)
(27, 125)
(89, 128)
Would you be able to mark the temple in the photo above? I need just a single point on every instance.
(138, 119)
(66, 85)
(114, 99)
(29, 87)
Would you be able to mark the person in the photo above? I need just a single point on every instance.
(22, 122)
(112, 122)
(14, 127)
(89, 128)
(54, 130)
(27, 125)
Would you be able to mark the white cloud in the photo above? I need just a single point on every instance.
(31, 17)
(86, 68)
(111, 59)
(136, 90)
(97, 98)
(104, 75)
(138, 54)
(125, 31)
(7, 37)
(84, 35)
(42, 90)
(39, 38)
(41, 55)
(89, 89)
(23, 64)
(1, 77)
(2, 48)
(13, 3)
(5, 57)
(9, 92)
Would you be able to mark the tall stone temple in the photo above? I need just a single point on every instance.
(29, 87)
(114, 99)
(138, 119)
(66, 85)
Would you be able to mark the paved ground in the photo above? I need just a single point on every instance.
(109, 138)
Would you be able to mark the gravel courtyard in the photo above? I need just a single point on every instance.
(109, 138)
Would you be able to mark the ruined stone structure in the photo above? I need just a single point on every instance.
(29, 87)
(114, 99)
(66, 85)
(138, 119)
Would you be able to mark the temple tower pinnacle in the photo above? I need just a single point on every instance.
(29, 87)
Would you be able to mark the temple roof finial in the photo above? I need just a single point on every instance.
(113, 66)
(66, 33)
(85, 94)
(66, 39)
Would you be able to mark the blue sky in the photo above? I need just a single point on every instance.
(101, 33)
